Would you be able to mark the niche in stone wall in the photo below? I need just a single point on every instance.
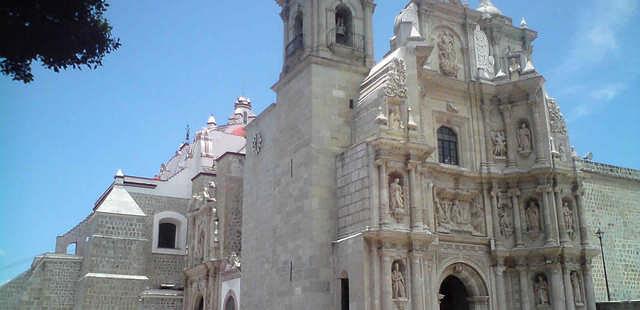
(398, 280)
(505, 220)
(533, 218)
(524, 137)
(398, 195)
(568, 216)
(541, 291)
(578, 288)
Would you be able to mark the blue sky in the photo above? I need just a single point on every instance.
(65, 134)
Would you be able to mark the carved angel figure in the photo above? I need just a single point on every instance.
(447, 54)
(397, 196)
(541, 288)
(398, 285)
(499, 144)
(524, 138)
(533, 217)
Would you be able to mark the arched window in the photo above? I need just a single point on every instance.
(298, 25)
(344, 293)
(447, 146)
(230, 304)
(169, 233)
(167, 236)
(199, 304)
(296, 41)
(343, 25)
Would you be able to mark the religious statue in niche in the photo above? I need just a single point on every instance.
(398, 285)
(541, 290)
(532, 213)
(396, 195)
(499, 144)
(395, 121)
(567, 215)
(524, 139)
(577, 288)
(504, 221)
(514, 67)
(447, 54)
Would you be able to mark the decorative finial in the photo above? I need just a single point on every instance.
(523, 24)
(188, 133)
(119, 173)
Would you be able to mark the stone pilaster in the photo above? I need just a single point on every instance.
(384, 192)
(501, 288)
(369, 6)
(486, 109)
(515, 202)
(585, 237)
(416, 211)
(505, 110)
(430, 217)
(588, 286)
(417, 279)
(548, 224)
(539, 132)
(557, 293)
(375, 270)
(525, 302)
(568, 288)
(386, 280)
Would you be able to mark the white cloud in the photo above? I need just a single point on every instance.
(596, 37)
(597, 99)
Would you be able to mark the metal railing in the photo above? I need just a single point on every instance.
(351, 40)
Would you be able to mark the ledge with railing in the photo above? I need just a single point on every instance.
(337, 37)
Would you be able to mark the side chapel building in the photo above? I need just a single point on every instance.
(441, 177)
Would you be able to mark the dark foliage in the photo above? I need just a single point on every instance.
(60, 34)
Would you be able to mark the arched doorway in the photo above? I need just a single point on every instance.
(453, 294)
(200, 303)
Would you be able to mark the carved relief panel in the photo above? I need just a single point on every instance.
(459, 211)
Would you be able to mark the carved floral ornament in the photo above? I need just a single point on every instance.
(447, 55)
(396, 86)
(556, 119)
(256, 143)
(484, 61)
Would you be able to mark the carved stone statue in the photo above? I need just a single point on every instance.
(206, 194)
(533, 217)
(398, 286)
(447, 54)
(484, 61)
(567, 214)
(524, 139)
(396, 195)
(499, 144)
(541, 290)
(443, 212)
(394, 118)
(577, 288)
(515, 68)
(505, 222)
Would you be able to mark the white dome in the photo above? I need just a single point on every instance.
(487, 7)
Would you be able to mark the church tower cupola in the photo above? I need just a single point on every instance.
(486, 6)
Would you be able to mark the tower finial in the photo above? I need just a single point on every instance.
(188, 133)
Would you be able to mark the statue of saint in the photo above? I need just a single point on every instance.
(541, 288)
(505, 222)
(394, 119)
(499, 144)
(533, 217)
(397, 196)
(567, 213)
(514, 68)
(524, 138)
(397, 283)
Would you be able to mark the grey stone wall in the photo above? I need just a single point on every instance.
(612, 203)
(108, 293)
(621, 305)
(354, 190)
(162, 304)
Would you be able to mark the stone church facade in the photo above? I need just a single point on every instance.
(440, 177)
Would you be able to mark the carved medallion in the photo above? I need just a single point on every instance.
(256, 143)
(447, 55)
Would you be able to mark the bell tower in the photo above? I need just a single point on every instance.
(290, 212)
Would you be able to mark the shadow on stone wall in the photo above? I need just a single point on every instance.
(619, 305)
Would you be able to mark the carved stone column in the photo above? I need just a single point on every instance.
(376, 277)
(539, 134)
(486, 109)
(548, 227)
(557, 293)
(368, 35)
(564, 235)
(386, 281)
(430, 218)
(494, 208)
(417, 279)
(515, 202)
(416, 211)
(568, 288)
(500, 287)
(511, 142)
(525, 302)
(585, 237)
(588, 286)
(384, 192)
